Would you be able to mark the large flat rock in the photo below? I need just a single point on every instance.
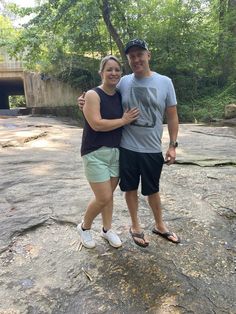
(43, 196)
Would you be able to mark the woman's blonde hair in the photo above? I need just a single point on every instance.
(105, 60)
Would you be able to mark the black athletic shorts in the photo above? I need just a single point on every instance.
(134, 165)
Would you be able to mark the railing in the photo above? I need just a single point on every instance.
(11, 65)
(7, 63)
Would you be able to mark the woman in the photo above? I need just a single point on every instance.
(100, 149)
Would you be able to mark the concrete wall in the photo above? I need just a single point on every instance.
(40, 91)
(48, 92)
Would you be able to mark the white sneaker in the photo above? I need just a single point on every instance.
(112, 238)
(86, 237)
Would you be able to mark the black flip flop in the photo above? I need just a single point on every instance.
(139, 236)
(166, 235)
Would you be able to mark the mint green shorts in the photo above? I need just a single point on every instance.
(101, 164)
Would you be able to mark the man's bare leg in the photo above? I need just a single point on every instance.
(155, 204)
(132, 204)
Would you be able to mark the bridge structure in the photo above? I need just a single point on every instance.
(12, 80)
(43, 94)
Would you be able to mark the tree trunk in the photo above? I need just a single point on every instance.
(227, 35)
(111, 29)
(232, 30)
(221, 42)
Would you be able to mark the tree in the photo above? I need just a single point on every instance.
(106, 13)
(227, 38)
(7, 32)
(68, 37)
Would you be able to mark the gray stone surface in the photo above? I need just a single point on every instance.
(230, 111)
(43, 193)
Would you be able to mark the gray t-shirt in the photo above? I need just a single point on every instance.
(151, 95)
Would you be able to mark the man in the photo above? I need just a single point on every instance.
(140, 149)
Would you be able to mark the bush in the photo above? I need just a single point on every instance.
(17, 101)
(208, 108)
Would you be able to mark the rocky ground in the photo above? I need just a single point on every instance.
(43, 196)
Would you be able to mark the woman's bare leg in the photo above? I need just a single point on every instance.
(108, 209)
(103, 196)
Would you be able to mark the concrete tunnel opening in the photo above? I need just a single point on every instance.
(11, 86)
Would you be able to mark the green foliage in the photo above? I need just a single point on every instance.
(8, 34)
(78, 71)
(208, 108)
(17, 101)
(192, 41)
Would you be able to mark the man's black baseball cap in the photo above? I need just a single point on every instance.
(136, 43)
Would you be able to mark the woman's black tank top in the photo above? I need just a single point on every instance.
(110, 108)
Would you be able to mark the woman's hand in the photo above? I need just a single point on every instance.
(130, 115)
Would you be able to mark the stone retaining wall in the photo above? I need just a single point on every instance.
(41, 91)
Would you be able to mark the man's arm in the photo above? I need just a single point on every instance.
(81, 101)
(173, 128)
